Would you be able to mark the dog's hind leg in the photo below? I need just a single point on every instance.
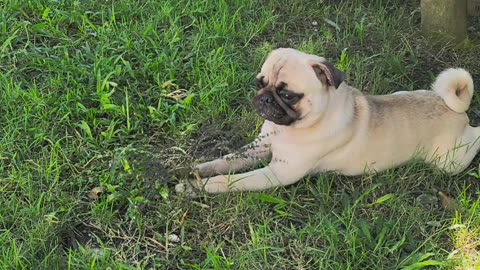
(472, 136)
(458, 159)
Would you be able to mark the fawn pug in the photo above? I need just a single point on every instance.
(315, 122)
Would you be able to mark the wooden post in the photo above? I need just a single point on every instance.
(447, 18)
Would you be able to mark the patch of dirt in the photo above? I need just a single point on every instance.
(71, 237)
(163, 161)
(214, 141)
(177, 158)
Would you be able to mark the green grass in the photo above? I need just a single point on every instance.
(127, 95)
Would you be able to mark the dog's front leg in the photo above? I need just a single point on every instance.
(249, 155)
(260, 179)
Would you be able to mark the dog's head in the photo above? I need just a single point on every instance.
(293, 87)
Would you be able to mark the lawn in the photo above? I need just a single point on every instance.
(106, 105)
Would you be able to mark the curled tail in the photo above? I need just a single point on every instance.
(455, 86)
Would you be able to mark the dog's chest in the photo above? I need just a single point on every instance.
(286, 148)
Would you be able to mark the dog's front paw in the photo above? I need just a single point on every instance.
(186, 188)
(190, 188)
(216, 184)
(193, 188)
(211, 168)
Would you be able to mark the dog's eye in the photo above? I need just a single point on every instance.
(288, 96)
(285, 95)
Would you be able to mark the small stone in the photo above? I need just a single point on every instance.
(180, 188)
(426, 200)
(173, 238)
(314, 23)
(434, 223)
(97, 252)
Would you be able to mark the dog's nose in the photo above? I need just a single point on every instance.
(267, 99)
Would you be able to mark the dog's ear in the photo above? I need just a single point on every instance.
(328, 74)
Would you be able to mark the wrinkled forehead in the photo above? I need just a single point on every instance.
(287, 62)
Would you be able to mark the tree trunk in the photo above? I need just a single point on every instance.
(446, 18)
(473, 7)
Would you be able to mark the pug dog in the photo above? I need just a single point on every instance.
(315, 122)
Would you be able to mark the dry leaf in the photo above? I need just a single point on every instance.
(95, 192)
(168, 84)
(198, 179)
(176, 95)
(447, 202)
